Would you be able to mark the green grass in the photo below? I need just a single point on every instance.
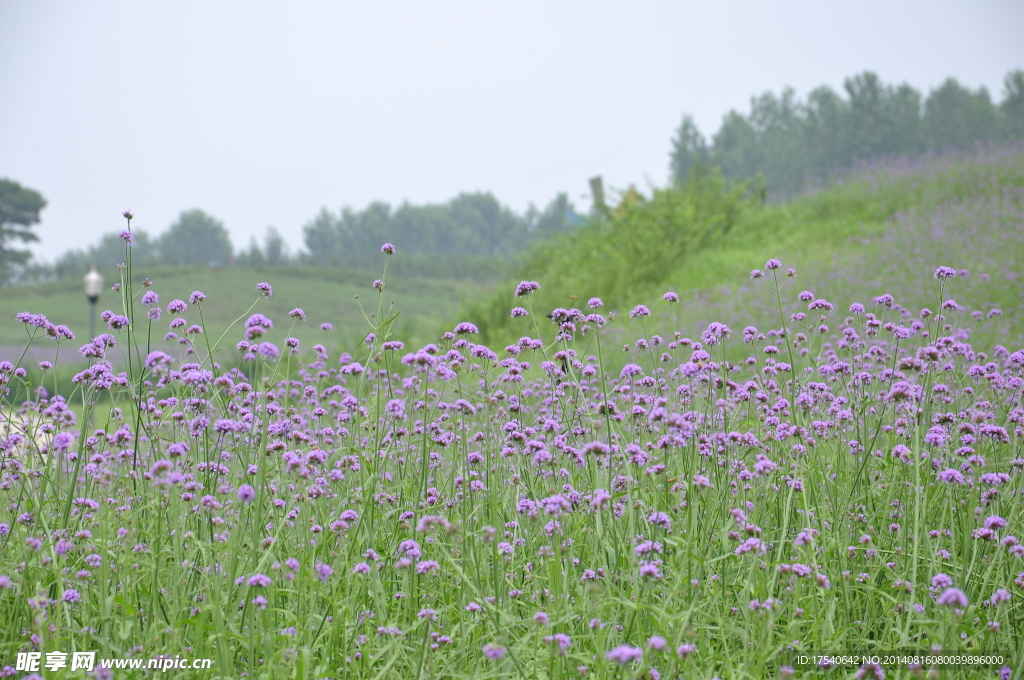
(326, 295)
(877, 232)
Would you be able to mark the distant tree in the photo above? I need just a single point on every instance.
(735, 147)
(274, 252)
(788, 142)
(956, 117)
(19, 211)
(251, 256)
(275, 248)
(473, 224)
(906, 129)
(558, 216)
(825, 134)
(882, 120)
(422, 229)
(195, 239)
(688, 148)
(484, 226)
(106, 254)
(322, 237)
(360, 234)
(779, 124)
(1012, 106)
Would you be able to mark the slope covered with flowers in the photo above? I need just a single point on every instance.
(458, 510)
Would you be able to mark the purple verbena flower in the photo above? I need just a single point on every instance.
(625, 654)
(952, 597)
(526, 287)
(639, 311)
(493, 652)
(323, 571)
(686, 650)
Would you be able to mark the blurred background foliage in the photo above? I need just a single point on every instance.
(449, 239)
(791, 143)
(782, 146)
(828, 181)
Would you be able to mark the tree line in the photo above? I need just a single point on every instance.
(783, 142)
(195, 238)
(466, 233)
(19, 212)
(471, 224)
(790, 142)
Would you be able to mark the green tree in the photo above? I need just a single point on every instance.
(275, 248)
(19, 211)
(360, 234)
(251, 256)
(471, 224)
(322, 236)
(779, 124)
(882, 120)
(274, 252)
(195, 239)
(689, 148)
(735, 147)
(484, 226)
(106, 254)
(1012, 106)
(789, 142)
(956, 117)
(825, 133)
(557, 217)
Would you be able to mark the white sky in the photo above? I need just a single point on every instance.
(262, 112)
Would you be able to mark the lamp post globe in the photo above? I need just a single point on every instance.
(93, 284)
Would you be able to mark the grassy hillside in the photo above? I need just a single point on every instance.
(883, 230)
(325, 294)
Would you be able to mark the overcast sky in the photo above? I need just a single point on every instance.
(262, 112)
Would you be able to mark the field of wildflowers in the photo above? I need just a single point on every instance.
(851, 484)
(326, 293)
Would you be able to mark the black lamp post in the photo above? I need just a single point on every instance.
(93, 285)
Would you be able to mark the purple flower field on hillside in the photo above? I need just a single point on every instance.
(852, 485)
